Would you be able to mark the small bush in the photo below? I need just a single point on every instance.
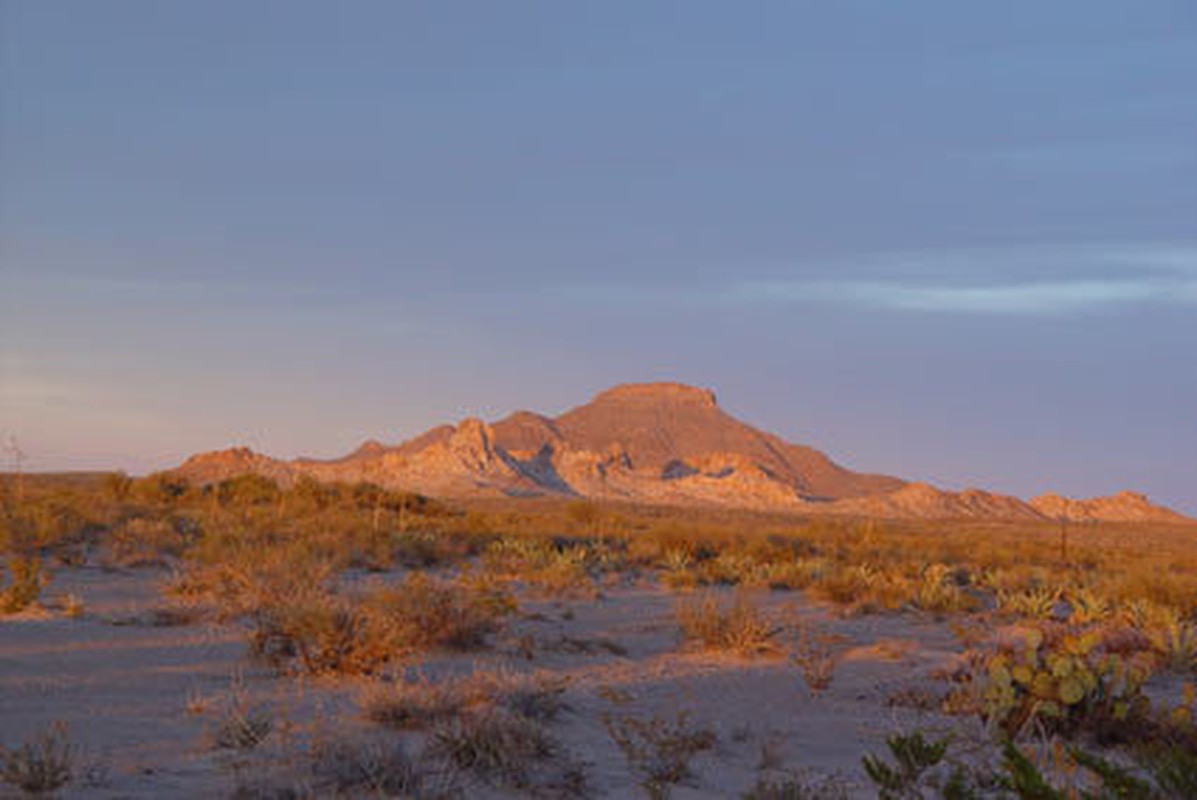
(25, 583)
(496, 746)
(913, 755)
(242, 726)
(406, 705)
(40, 766)
(319, 632)
(741, 628)
(421, 703)
(367, 768)
(659, 750)
(795, 787)
(424, 613)
(814, 657)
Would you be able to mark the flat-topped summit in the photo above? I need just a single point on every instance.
(661, 392)
(664, 442)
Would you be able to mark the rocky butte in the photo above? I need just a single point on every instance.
(663, 443)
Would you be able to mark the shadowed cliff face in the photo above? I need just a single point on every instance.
(657, 443)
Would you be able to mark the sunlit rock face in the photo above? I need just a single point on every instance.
(665, 443)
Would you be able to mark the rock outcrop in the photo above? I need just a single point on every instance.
(1121, 507)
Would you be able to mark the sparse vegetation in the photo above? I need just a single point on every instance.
(658, 749)
(40, 766)
(813, 655)
(494, 745)
(23, 586)
(740, 627)
(421, 703)
(1061, 648)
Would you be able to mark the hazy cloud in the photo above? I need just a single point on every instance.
(1015, 281)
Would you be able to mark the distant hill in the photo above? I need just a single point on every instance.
(662, 443)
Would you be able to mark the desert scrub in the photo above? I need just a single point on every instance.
(913, 756)
(243, 725)
(740, 627)
(40, 766)
(26, 579)
(370, 768)
(423, 612)
(321, 632)
(553, 567)
(658, 750)
(149, 541)
(1063, 678)
(938, 591)
(814, 657)
(796, 787)
(1173, 638)
(863, 588)
(494, 745)
(420, 703)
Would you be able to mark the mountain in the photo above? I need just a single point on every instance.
(664, 443)
(1121, 507)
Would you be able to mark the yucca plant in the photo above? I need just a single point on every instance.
(1034, 603)
(1176, 641)
(1088, 607)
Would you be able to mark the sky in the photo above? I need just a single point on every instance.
(956, 242)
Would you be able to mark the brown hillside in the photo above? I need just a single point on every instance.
(664, 443)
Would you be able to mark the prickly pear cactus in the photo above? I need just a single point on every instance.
(1066, 680)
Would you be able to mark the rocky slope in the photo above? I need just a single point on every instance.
(654, 443)
(1121, 507)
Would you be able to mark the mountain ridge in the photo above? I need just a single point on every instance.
(660, 443)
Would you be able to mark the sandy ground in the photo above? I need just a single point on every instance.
(141, 699)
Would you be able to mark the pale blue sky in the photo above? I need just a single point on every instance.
(952, 241)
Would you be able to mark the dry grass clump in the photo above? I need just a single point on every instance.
(796, 787)
(555, 567)
(421, 703)
(658, 749)
(494, 745)
(368, 768)
(149, 541)
(40, 766)
(814, 657)
(320, 632)
(740, 627)
(243, 726)
(24, 584)
(488, 726)
(343, 765)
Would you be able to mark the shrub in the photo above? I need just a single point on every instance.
(814, 657)
(741, 627)
(41, 765)
(243, 726)
(937, 591)
(367, 768)
(423, 613)
(913, 755)
(659, 750)
(143, 541)
(25, 583)
(321, 632)
(794, 787)
(494, 745)
(420, 703)
(1176, 642)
